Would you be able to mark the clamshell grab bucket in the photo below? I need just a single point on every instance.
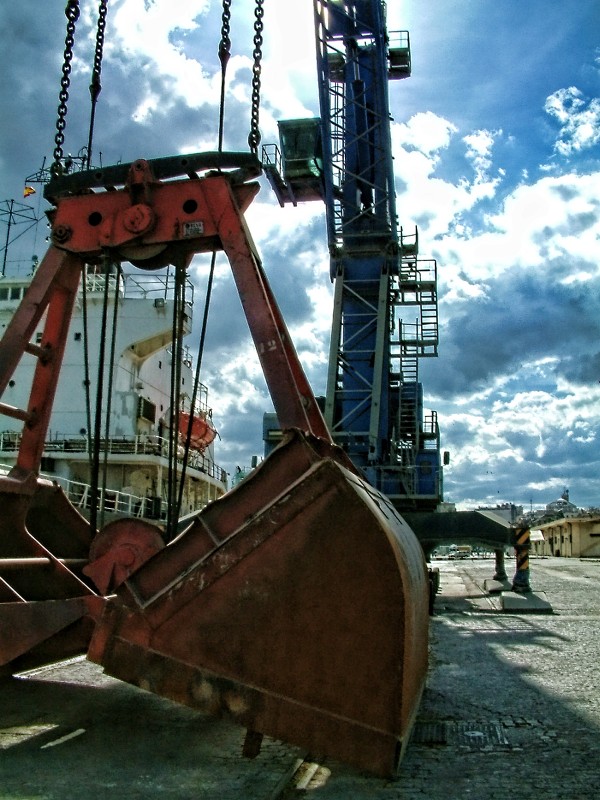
(297, 604)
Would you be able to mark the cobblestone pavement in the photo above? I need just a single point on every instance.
(511, 710)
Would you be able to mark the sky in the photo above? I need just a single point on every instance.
(496, 141)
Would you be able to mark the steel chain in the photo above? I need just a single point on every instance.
(225, 43)
(95, 85)
(254, 135)
(72, 14)
(224, 53)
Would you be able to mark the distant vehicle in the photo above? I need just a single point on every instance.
(460, 551)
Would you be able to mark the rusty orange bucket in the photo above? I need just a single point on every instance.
(297, 604)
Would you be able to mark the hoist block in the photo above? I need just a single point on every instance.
(297, 604)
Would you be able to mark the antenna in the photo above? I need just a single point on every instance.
(14, 213)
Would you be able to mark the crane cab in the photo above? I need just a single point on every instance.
(296, 172)
(399, 62)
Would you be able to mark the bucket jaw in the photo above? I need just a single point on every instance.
(297, 604)
(47, 611)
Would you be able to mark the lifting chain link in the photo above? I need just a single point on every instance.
(72, 15)
(224, 53)
(254, 135)
(95, 85)
(225, 43)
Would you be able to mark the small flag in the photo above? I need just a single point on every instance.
(28, 190)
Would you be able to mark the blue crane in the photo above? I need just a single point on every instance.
(385, 315)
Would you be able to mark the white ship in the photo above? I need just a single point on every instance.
(135, 445)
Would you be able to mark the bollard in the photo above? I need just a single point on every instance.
(522, 546)
(500, 574)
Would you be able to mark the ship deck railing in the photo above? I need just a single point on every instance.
(141, 445)
(111, 500)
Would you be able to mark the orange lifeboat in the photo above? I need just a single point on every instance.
(202, 433)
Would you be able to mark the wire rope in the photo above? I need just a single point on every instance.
(224, 55)
(193, 400)
(86, 365)
(175, 394)
(95, 470)
(109, 389)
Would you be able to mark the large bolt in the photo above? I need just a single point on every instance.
(138, 219)
(61, 234)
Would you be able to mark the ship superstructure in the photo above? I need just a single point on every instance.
(136, 412)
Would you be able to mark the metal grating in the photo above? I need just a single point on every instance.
(430, 733)
(476, 735)
(473, 735)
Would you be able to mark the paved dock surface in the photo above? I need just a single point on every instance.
(511, 711)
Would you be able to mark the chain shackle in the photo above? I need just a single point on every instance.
(72, 15)
(254, 135)
(95, 85)
(225, 43)
(224, 54)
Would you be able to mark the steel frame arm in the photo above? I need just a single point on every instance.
(52, 291)
(290, 391)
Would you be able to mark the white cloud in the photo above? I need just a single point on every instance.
(552, 218)
(269, 222)
(292, 91)
(149, 22)
(141, 32)
(579, 118)
(425, 132)
(437, 204)
(527, 433)
(479, 150)
(151, 33)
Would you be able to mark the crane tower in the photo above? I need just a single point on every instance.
(385, 315)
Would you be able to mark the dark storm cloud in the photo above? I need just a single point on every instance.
(528, 457)
(521, 317)
(582, 368)
(290, 264)
(227, 326)
(290, 276)
(29, 86)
